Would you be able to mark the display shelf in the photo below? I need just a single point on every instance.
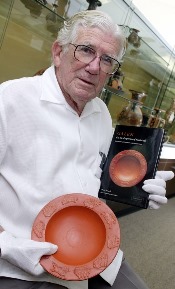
(146, 71)
(30, 27)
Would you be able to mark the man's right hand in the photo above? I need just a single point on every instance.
(25, 253)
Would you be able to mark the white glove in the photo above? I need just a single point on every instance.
(157, 188)
(25, 253)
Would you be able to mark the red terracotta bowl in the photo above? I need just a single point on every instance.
(87, 234)
(127, 168)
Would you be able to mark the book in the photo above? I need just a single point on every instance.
(133, 157)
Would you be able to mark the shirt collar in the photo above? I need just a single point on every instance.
(51, 92)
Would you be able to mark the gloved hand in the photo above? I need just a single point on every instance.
(25, 253)
(157, 188)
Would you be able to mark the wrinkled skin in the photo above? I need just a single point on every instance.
(81, 82)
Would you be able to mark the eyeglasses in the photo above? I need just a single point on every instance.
(87, 54)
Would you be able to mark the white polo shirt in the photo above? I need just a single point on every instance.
(46, 150)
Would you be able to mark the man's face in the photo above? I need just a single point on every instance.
(79, 81)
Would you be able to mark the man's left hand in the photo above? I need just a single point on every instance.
(157, 188)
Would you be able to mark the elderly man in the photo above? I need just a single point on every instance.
(52, 128)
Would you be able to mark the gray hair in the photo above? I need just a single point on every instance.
(91, 18)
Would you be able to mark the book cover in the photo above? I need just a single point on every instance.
(132, 158)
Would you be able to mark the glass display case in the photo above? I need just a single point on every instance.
(28, 28)
(143, 71)
(26, 37)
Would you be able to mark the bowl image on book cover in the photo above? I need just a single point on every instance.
(86, 232)
(127, 168)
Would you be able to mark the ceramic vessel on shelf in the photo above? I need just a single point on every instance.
(93, 4)
(134, 38)
(170, 113)
(132, 114)
(155, 119)
(138, 43)
(34, 8)
(117, 80)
